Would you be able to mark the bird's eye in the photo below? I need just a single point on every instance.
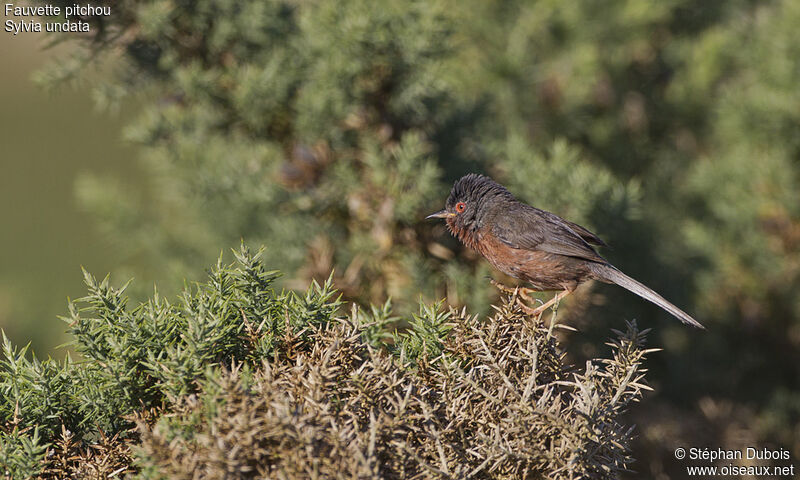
(460, 206)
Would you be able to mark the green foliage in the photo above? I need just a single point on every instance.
(154, 353)
(426, 333)
(36, 394)
(265, 118)
(21, 453)
(750, 230)
(328, 131)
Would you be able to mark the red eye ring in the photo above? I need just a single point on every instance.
(460, 206)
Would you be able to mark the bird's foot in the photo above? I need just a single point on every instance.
(517, 291)
(523, 293)
(538, 310)
(533, 312)
(553, 302)
(504, 288)
(528, 301)
(521, 298)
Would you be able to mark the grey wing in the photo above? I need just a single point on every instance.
(529, 228)
(586, 235)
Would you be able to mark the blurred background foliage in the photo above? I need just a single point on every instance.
(48, 138)
(327, 131)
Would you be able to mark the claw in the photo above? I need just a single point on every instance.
(556, 298)
(503, 288)
(520, 295)
(524, 294)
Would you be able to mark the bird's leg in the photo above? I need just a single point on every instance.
(525, 308)
(523, 292)
(557, 297)
(515, 293)
(503, 288)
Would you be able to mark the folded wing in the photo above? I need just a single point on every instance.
(530, 228)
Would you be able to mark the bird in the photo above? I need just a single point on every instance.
(533, 245)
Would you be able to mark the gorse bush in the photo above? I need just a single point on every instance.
(148, 356)
(348, 118)
(236, 379)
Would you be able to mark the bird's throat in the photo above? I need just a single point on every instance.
(466, 235)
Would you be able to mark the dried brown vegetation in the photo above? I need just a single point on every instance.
(108, 457)
(498, 402)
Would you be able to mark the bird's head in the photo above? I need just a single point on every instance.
(470, 199)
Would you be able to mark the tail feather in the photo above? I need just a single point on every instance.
(609, 273)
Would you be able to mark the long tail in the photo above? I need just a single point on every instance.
(609, 273)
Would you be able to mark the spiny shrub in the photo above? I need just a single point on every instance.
(236, 380)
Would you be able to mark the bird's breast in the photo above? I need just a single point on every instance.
(542, 270)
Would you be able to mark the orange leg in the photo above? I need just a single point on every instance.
(556, 298)
(521, 293)
(524, 294)
(503, 288)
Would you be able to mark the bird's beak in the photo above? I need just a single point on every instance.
(440, 214)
